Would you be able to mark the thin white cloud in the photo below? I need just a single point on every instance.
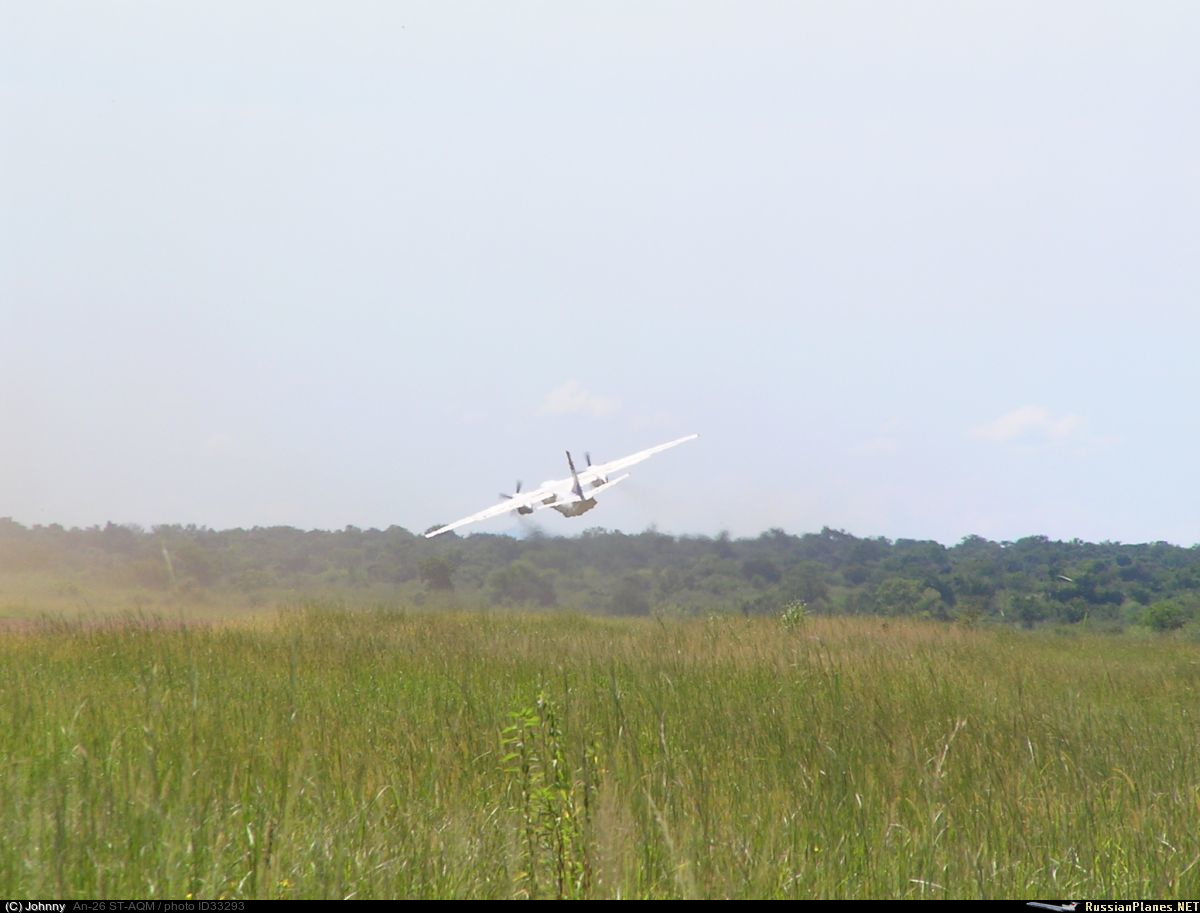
(572, 399)
(221, 443)
(887, 440)
(1028, 421)
(881, 444)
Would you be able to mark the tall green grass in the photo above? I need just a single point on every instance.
(327, 753)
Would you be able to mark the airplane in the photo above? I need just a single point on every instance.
(1046, 906)
(571, 497)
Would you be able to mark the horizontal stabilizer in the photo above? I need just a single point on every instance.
(607, 485)
(590, 493)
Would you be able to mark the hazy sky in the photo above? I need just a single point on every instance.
(913, 269)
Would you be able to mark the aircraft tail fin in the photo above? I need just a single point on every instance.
(577, 489)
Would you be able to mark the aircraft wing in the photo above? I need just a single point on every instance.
(603, 469)
(525, 499)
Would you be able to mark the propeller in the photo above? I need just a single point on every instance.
(599, 480)
(518, 491)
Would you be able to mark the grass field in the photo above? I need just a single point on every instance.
(328, 753)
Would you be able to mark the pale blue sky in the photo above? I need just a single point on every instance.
(913, 269)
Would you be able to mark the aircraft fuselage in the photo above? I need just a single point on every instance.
(575, 508)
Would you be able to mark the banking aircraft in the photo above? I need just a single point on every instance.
(572, 496)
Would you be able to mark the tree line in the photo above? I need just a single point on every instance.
(1029, 582)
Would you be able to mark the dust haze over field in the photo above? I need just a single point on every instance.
(911, 271)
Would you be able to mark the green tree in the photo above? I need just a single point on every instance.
(523, 584)
(899, 596)
(436, 574)
(1164, 615)
(631, 597)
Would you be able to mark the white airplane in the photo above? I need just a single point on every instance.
(572, 496)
